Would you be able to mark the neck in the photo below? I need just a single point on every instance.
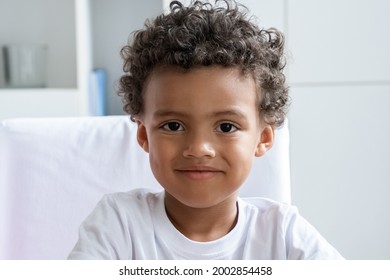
(202, 224)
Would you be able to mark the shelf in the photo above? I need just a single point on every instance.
(39, 23)
(69, 57)
(4, 91)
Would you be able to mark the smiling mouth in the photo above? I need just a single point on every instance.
(199, 172)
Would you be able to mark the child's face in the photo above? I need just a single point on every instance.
(202, 130)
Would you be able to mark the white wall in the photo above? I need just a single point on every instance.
(340, 161)
(340, 121)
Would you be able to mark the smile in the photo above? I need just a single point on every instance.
(199, 172)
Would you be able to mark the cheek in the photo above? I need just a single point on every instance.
(244, 148)
(161, 158)
(241, 156)
(157, 166)
(160, 154)
(243, 159)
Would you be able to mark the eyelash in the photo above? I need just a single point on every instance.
(166, 126)
(232, 126)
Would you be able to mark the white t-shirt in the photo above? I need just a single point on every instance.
(134, 225)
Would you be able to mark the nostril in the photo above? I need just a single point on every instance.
(199, 151)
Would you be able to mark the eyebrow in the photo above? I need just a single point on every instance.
(230, 112)
(165, 113)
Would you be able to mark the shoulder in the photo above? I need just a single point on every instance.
(271, 217)
(132, 199)
(126, 208)
(300, 239)
(268, 207)
(278, 215)
(113, 227)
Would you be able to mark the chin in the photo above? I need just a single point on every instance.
(203, 202)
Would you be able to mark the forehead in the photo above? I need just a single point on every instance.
(200, 90)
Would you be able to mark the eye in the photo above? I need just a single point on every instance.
(173, 126)
(226, 127)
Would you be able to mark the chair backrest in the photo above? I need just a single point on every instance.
(54, 171)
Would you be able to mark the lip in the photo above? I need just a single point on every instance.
(199, 172)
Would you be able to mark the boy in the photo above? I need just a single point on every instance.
(206, 88)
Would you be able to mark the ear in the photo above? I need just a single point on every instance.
(266, 141)
(142, 136)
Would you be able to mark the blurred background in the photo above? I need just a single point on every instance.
(61, 58)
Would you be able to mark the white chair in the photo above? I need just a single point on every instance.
(54, 171)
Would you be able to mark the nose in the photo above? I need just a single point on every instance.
(198, 146)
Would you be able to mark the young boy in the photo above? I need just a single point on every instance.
(206, 88)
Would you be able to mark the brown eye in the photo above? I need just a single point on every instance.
(173, 126)
(226, 127)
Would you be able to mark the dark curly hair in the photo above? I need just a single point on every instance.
(203, 35)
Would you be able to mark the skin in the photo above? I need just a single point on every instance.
(202, 131)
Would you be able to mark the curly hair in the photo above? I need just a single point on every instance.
(203, 35)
